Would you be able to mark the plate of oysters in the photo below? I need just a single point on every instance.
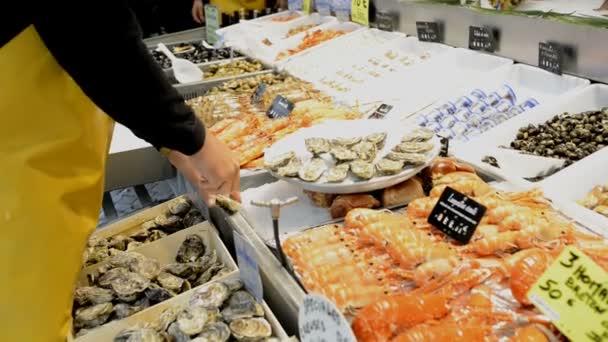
(342, 157)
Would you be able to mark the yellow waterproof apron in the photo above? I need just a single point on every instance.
(53, 146)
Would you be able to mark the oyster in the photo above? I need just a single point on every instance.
(95, 241)
(122, 310)
(180, 207)
(228, 204)
(343, 154)
(221, 273)
(133, 245)
(96, 254)
(389, 167)
(183, 270)
(338, 173)
(157, 293)
(191, 249)
(148, 225)
(193, 217)
(206, 276)
(139, 335)
(107, 278)
(126, 259)
(317, 146)
(363, 169)
(192, 320)
(346, 142)
(92, 294)
(312, 170)
(291, 169)
(280, 161)
(146, 267)
(128, 286)
(241, 305)
(414, 147)
(248, 329)
(213, 315)
(93, 316)
(156, 235)
(171, 282)
(215, 332)
(210, 296)
(208, 259)
(119, 242)
(169, 223)
(234, 284)
(377, 139)
(167, 317)
(418, 135)
(365, 150)
(176, 334)
(414, 159)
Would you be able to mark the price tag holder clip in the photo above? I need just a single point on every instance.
(280, 107)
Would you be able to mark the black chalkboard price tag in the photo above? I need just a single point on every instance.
(280, 107)
(456, 215)
(481, 39)
(381, 112)
(428, 31)
(258, 93)
(445, 146)
(386, 21)
(550, 57)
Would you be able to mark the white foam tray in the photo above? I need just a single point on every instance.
(277, 34)
(588, 98)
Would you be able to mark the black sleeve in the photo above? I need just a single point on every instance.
(99, 44)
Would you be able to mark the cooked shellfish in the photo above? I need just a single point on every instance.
(291, 169)
(377, 139)
(389, 167)
(346, 142)
(338, 173)
(418, 135)
(248, 329)
(280, 161)
(362, 169)
(317, 146)
(343, 154)
(414, 147)
(414, 159)
(365, 150)
(312, 170)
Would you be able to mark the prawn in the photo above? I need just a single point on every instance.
(221, 125)
(448, 331)
(434, 269)
(357, 218)
(421, 207)
(529, 333)
(526, 272)
(501, 242)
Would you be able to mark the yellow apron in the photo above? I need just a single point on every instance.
(53, 147)
(230, 6)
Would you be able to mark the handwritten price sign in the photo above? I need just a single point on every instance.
(573, 293)
(360, 12)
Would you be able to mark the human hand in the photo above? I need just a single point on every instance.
(197, 11)
(212, 170)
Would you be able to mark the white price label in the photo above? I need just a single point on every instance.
(248, 266)
(319, 320)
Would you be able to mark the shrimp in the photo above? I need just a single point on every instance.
(253, 150)
(443, 166)
(526, 272)
(529, 333)
(381, 319)
(233, 131)
(221, 125)
(421, 207)
(449, 331)
(485, 231)
(500, 242)
(434, 269)
(357, 218)
(545, 235)
(255, 164)
(468, 183)
(352, 295)
(412, 255)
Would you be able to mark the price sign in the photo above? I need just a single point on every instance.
(386, 21)
(248, 266)
(445, 146)
(212, 23)
(456, 215)
(258, 93)
(550, 57)
(573, 293)
(307, 6)
(481, 38)
(428, 31)
(280, 107)
(381, 112)
(323, 7)
(320, 320)
(360, 12)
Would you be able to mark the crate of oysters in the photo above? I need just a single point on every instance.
(221, 310)
(144, 227)
(130, 282)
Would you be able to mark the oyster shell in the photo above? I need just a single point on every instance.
(180, 207)
(193, 217)
(241, 305)
(107, 278)
(169, 223)
(133, 245)
(215, 332)
(343, 154)
(280, 161)
(414, 159)
(96, 254)
(221, 273)
(191, 249)
(377, 139)
(346, 142)
(389, 167)
(234, 284)
(119, 242)
(210, 296)
(365, 151)
(414, 147)
(122, 310)
(92, 316)
(312, 170)
(92, 294)
(146, 267)
(170, 282)
(192, 320)
(418, 135)
(291, 169)
(148, 225)
(176, 334)
(206, 276)
(249, 329)
(157, 293)
(228, 204)
(338, 173)
(363, 169)
(183, 270)
(167, 317)
(139, 335)
(156, 235)
(317, 146)
(129, 285)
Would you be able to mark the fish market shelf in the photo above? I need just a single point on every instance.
(164, 252)
(190, 91)
(196, 34)
(216, 80)
(110, 331)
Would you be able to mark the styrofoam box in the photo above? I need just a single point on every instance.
(109, 331)
(589, 98)
(164, 251)
(258, 22)
(420, 86)
(279, 33)
(574, 183)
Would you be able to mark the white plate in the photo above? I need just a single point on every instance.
(348, 129)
